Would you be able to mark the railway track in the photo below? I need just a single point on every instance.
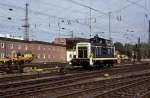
(43, 85)
(86, 88)
(27, 76)
(97, 89)
(33, 75)
(116, 70)
(40, 65)
(146, 95)
(135, 89)
(28, 68)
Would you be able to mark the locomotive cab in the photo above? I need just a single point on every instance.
(82, 57)
(82, 52)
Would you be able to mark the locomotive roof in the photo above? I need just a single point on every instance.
(100, 41)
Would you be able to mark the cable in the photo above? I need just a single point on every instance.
(123, 8)
(48, 15)
(98, 10)
(141, 6)
(60, 18)
(77, 3)
(38, 13)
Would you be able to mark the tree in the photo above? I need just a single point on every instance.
(119, 47)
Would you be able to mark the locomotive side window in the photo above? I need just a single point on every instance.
(104, 51)
(82, 52)
(99, 51)
(109, 51)
(112, 51)
(93, 50)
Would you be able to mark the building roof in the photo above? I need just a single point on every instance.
(70, 42)
(31, 42)
(77, 39)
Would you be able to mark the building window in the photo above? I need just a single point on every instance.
(56, 49)
(2, 45)
(38, 56)
(53, 49)
(49, 56)
(2, 55)
(26, 47)
(19, 47)
(11, 46)
(39, 48)
(44, 56)
(44, 49)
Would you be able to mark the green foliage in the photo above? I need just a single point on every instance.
(119, 47)
(142, 50)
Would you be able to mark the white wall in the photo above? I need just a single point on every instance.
(70, 54)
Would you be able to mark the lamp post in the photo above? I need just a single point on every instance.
(138, 50)
(109, 14)
(5, 43)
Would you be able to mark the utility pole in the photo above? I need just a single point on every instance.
(72, 35)
(148, 50)
(26, 25)
(90, 26)
(138, 50)
(149, 33)
(109, 14)
(58, 35)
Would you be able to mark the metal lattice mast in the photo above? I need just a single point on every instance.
(90, 26)
(109, 14)
(26, 25)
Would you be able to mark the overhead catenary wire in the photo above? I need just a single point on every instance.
(36, 12)
(39, 13)
(125, 7)
(107, 14)
(94, 9)
(141, 6)
(61, 18)
(67, 9)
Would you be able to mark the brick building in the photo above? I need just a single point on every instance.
(42, 51)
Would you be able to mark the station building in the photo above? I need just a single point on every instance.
(42, 51)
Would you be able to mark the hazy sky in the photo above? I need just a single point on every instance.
(59, 18)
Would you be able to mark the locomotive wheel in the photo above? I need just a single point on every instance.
(110, 65)
(100, 66)
(87, 67)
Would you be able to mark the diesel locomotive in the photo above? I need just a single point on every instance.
(97, 51)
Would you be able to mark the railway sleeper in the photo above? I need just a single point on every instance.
(84, 91)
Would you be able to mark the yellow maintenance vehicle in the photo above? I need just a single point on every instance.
(24, 58)
(28, 57)
(122, 58)
(16, 60)
(4, 60)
